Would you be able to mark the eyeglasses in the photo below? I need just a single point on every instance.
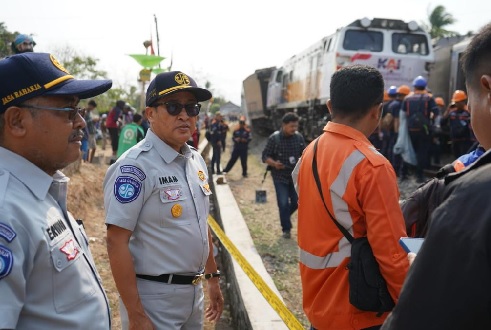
(72, 111)
(174, 108)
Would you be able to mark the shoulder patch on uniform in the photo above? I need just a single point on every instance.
(133, 170)
(6, 261)
(126, 189)
(7, 232)
(373, 155)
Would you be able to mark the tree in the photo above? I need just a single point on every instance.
(439, 19)
(80, 66)
(6, 38)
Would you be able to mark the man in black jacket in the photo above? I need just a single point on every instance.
(448, 286)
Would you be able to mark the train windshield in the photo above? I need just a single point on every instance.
(409, 43)
(363, 40)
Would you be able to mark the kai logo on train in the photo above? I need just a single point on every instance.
(389, 63)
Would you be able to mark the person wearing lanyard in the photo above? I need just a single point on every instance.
(48, 278)
(156, 198)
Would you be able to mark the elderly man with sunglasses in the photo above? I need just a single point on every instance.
(156, 198)
(48, 278)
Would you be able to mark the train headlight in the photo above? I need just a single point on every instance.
(412, 26)
(365, 22)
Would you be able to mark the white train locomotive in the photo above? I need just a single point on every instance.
(400, 50)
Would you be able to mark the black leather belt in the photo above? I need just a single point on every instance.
(173, 279)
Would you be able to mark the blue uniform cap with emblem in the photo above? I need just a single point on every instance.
(167, 83)
(27, 75)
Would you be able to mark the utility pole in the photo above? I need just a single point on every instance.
(157, 34)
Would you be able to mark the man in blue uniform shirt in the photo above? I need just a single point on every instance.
(419, 108)
(241, 137)
(48, 278)
(156, 198)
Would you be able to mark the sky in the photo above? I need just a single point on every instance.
(219, 41)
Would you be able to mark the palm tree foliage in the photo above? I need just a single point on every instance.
(439, 19)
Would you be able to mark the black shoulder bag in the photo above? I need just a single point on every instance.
(367, 288)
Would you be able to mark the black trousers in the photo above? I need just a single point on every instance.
(236, 153)
(215, 159)
(114, 134)
(421, 144)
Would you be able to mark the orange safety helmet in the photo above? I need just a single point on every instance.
(458, 96)
(439, 101)
(386, 96)
(404, 90)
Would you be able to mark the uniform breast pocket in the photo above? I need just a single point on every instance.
(73, 281)
(176, 209)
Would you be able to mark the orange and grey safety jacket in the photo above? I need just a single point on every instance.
(360, 190)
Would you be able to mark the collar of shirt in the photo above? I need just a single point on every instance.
(347, 131)
(167, 153)
(29, 174)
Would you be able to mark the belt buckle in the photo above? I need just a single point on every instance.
(197, 279)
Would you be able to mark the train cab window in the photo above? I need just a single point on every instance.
(279, 75)
(327, 44)
(409, 43)
(363, 40)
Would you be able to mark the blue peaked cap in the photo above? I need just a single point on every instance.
(27, 75)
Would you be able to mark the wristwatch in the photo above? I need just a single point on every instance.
(211, 275)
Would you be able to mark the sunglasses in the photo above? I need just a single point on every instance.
(72, 111)
(174, 108)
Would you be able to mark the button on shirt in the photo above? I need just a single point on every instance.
(48, 278)
(162, 197)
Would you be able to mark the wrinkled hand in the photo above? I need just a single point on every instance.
(215, 308)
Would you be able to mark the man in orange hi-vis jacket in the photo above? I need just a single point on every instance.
(360, 190)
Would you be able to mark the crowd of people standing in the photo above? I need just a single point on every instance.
(431, 128)
(156, 197)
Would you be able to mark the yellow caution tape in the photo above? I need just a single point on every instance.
(275, 302)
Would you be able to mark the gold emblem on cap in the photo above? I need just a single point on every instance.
(176, 210)
(207, 187)
(182, 79)
(58, 64)
(201, 175)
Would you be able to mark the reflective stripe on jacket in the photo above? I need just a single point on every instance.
(360, 190)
